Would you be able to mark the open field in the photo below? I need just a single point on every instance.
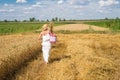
(113, 24)
(73, 57)
(23, 27)
(78, 57)
(18, 27)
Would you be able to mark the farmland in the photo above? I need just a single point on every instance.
(75, 56)
(113, 24)
(8, 28)
(23, 27)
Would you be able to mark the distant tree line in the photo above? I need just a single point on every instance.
(33, 19)
(56, 19)
(117, 18)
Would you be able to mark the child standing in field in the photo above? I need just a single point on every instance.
(46, 44)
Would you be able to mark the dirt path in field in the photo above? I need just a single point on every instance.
(79, 27)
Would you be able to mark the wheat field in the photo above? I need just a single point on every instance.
(15, 51)
(73, 57)
(78, 56)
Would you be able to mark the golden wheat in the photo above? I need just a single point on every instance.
(15, 51)
(78, 57)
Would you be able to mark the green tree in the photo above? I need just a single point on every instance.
(32, 19)
(53, 19)
(47, 20)
(106, 18)
(15, 20)
(117, 18)
(5, 20)
(24, 20)
(56, 18)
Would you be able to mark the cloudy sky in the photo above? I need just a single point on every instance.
(68, 9)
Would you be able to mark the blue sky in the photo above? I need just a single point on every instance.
(68, 9)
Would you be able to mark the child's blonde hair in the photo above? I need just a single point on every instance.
(48, 27)
(45, 27)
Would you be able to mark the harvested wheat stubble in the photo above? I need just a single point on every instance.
(78, 57)
(14, 58)
(73, 57)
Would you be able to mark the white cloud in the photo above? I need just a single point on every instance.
(102, 11)
(11, 10)
(108, 2)
(38, 4)
(68, 9)
(28, 8)
(79, 7)
(21, 1)
(6, 5)
(60, 1)
(79, 2)
(27, 12)
(5, 10)
(105, 6)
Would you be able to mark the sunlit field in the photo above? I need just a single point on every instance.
(15, 50)
(73, 57)
(82, 52)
